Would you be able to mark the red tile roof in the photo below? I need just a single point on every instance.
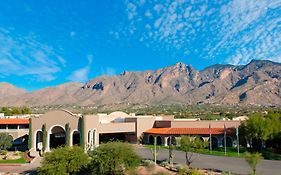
(8, 121)
(188, 131)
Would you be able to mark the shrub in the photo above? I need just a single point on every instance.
(195, 172)
(63, 161)
(253, 160)
(113, 158)
(5, 141)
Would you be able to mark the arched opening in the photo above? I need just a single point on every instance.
(229, 141)
(173, 140)
(159, 140)
(214, 142)
(39, 140)
(76, 138)
(201, 138)
(57, 137)
(151, 140)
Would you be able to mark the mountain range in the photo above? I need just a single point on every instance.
(257, 83)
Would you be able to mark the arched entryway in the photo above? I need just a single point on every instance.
(39, 140)
(159, 140)
(57, 137)
(214, 142)
(173, 140)
(151, 140)
(76, 138)
(229, 141)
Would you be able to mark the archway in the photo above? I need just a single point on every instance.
(159, 140)
(151, 140)
(57, 137)
(215, 142)
(173, 140)
(76, 138)
(39, 140)
(229, 141)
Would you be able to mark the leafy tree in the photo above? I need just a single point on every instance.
(113, 158)
(190, 145)
(5, 141)
(253, 159)
(64, 161)
(25, 110)
(258, 129)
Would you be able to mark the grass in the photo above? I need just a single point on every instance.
(230, 152)
(20, 160)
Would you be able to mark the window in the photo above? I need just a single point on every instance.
(3, 126)
(12, 126)
(24, 126)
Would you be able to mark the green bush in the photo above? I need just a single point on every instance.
(195, 172)
(113, 158)
(5, 141)
(63, 161)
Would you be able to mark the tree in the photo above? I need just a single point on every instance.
(258, 129)
(63, 161)
(253, 159)
(113, 158)
(25, 110)
(5, 141)
(189, 146)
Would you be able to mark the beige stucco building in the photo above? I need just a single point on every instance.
(61, 127)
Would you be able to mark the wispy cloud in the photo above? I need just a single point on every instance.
(82, 74)
(234, 31)
(26, 56)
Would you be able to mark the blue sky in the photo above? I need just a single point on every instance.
(45, 43)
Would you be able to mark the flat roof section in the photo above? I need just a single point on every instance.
(189, 131)
(15, 121)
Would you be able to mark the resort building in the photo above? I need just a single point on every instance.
(61, 127)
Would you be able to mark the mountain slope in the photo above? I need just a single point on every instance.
(257, 83)
(8, 90)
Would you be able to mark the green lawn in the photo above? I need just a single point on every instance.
(230, 152)
(20, 160)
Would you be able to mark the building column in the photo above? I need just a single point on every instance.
(166, 141)
(48, 142)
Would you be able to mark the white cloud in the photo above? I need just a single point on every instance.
(26, 56)
(236, 30)
(82, 74)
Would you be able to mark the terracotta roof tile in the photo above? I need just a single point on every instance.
(188, 131)
(14, 121)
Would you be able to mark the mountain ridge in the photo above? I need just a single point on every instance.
(256, 83)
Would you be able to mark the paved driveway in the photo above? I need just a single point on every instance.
(235, 165)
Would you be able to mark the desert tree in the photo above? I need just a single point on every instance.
(113, 158)
(63, 161)
(253, 159)
(190, 145)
